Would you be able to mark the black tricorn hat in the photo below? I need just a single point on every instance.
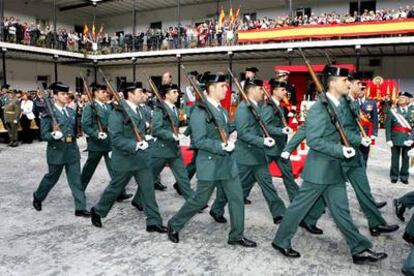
(405, 94)
(334, 71)
(59, 87)
(252, 69)
(253, 82)
(165, 88)
(128, 87)
(96, 86)
(276, 84)
(215, 78)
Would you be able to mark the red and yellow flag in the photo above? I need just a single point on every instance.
(85, 29)
(236, 16)
(222, 17)
(93, 29)
(231, 17)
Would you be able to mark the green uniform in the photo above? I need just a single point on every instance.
(128, 162)
(97, 148)
(251, 159)
(215, 168)
(323, 178)
(408, 267)
(61, 154)
(354, 168)
(167, 151)
(396, 133)
(408, 201)
(11, 118)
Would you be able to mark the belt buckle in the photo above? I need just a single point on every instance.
(69, 139)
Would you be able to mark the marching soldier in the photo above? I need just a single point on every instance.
(62, 151)
(129, 159)
(323, 176)
(11, 117)
(251, 156)
(368, 113)
(166, 149)
(397, 133)
(99, 144)
(216, 166)
(401, 205)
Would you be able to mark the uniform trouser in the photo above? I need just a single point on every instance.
(231, 189)
(178, 169)
(408, 266)
(397, 172)
(285, 167)
(408, 201)
(336, 199)
(261, 174)
(358, 178)
(365, 154)
(12, 131)
(119, 181)
(94, 157)
(73, 176)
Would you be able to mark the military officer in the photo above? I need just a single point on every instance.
(166, 148)
(11, 117)
(397, 133)
(251, 156)
(99, 144)
(283, 76)
(62, 151)
(130, 158)
(323, 176)
(215, 163)
(368, 112)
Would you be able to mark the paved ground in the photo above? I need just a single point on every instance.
(55, 242)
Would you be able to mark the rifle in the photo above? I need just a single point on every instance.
(275, 107)
(93, 106)
(163, 105)
(355, 114)
(321, 90)
(135, 130)
(49, 107)
(249, 104)
(203, 102)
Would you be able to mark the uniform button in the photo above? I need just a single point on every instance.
(210, 157)
(249, 146)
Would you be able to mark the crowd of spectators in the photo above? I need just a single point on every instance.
(207, 34)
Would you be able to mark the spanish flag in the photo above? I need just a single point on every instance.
(85, 29)
(236, 16)
(93, 29)
(222, 17)
(231, 17)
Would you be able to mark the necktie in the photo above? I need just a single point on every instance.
(139, 112)
(175, 111)
(65, 114)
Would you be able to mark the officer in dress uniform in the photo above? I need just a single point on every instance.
(251, 156)
(323, 176)
(12, 112)
(397, 132)
(283, 76)
(62, 151)
(99, 143)
(130, 158)
(216, 167)
(368, 113)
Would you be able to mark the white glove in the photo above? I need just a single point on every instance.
(373, 137)
(348, 152)
(57, 135)
(410, 153)
(229, 147)
(390, 144)
(366, 141)
(408, 143)
(147, 125)
(15, 122)
(285, 155)
(110, 154)
(290, 114)
(149, 137)
(177, 137)
(287, 130)
(269, 142)
(102, 135)
(142, 145)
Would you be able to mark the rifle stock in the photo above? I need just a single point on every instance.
(138, 136)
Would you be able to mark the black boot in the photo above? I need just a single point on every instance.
(368, 256)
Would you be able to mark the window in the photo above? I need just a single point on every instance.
(304, 11)
(44, 80)
(120, 80)
(157, 80)
(365, 5)
(79, 84)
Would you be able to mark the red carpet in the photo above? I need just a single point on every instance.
(274, 170)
